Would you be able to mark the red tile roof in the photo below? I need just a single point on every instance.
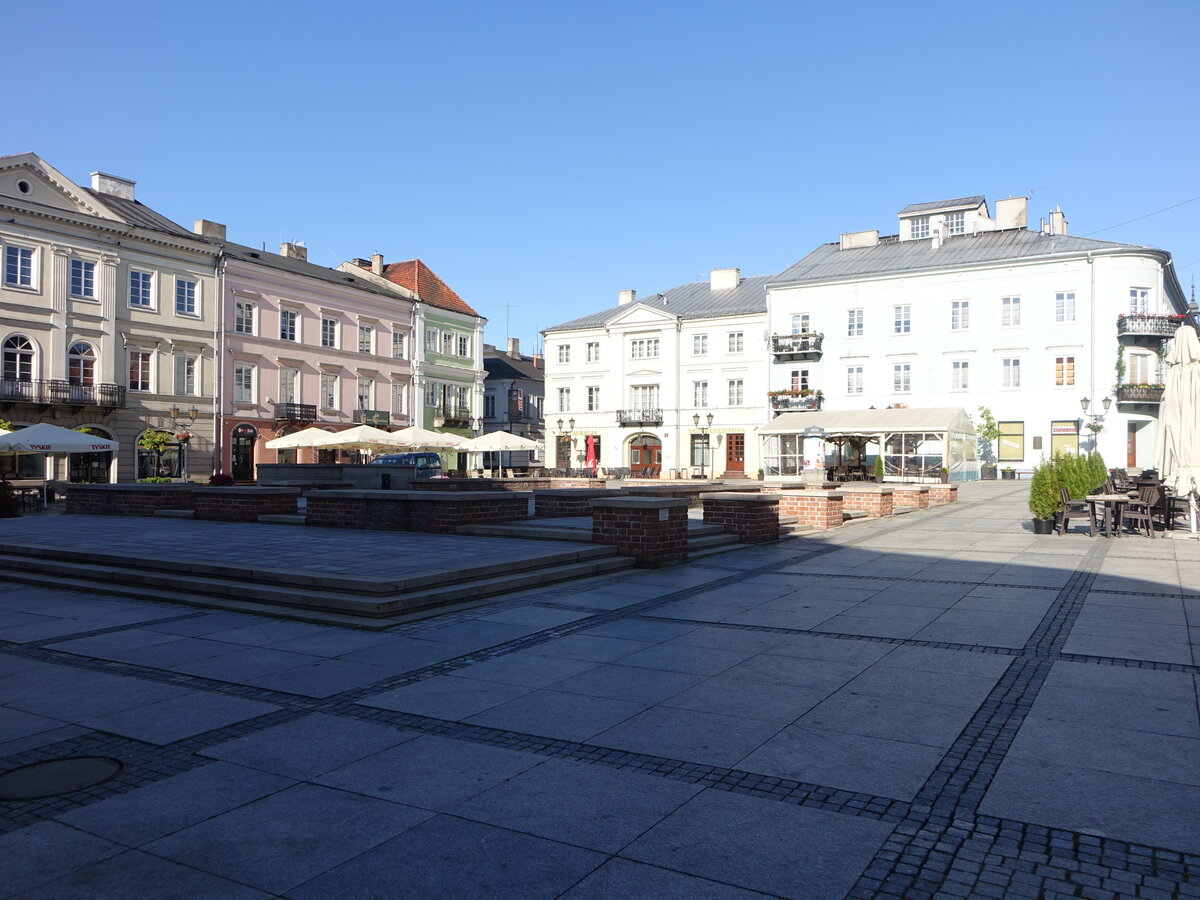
(424, 282)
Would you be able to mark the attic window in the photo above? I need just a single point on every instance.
(956, 223)
(919, 227)
(23, 186)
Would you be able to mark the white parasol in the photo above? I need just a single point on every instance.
(417, 437)
(499, 442)
(1178, 451)
(309, 437)
(45, 439)
(364, 438)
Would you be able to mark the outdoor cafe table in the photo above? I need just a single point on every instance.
(1116, 501)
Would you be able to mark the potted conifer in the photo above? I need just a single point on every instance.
(1044, 499)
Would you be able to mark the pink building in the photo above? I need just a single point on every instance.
(303, 345)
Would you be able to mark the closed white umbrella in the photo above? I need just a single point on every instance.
(45, 439)
(309, 437)
(1178, 451)
(417, 437)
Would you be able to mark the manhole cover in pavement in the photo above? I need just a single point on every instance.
(57, 776)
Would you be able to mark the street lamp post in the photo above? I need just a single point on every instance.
(181, 433)
(704, 434)
(1096, 425)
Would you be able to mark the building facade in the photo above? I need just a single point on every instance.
(513, 398)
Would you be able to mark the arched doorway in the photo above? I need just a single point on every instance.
(644, 450)
(241, 450)
(90, 468)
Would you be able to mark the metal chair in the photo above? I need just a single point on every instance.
(1075, 509)
(1138, 512)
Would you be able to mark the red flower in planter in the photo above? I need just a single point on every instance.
(183, 437)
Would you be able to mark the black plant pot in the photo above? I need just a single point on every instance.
(1009, 476)
(1043, 526)
(987, 473)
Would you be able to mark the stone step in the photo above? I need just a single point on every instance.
(283, 519)
(175, 513)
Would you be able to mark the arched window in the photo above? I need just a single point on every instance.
(81, 364)
(18, 359)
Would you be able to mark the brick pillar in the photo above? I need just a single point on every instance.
(818, 509)
(651, 530)
(752, 517)
(904, 494)
(940, 494)
(873, 499)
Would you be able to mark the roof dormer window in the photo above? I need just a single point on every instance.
(919, 227)
(956, 223)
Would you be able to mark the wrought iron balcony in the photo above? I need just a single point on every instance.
(1139, 393)
(377, 417)
(54, 392)
(797, 346)
(789, 402)
(1147, 325)
(455, 416)
(295, 412)
(640, 418)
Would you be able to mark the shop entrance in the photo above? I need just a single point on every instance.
(242, 452)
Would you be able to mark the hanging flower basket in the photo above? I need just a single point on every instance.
(183, 437)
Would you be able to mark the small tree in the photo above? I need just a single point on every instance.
(987, 431)
(879, 469)
(1044, 499)
(6, 425)
(1097, 468)
(155, 442)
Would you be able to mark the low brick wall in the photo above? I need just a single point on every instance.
(818, 509)
(243, 504)
(796, 484)
(127, 499)
(438, 513)
(652, 531)
(506, 484)
(562, 502)
(915, 495)
(873, 499)
(940, 494)
(752, 517)
(689, 492)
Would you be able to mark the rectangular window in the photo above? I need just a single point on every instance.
(431, 393)
(329, 391)
(397, 345)
(919, 227)
(799, 381)
(139, 370)
(960, 315)
(854, 323)
(1010, 373)
(83, 279)
(902, 378)
(736, 397)
(464, 346)
(854, 379)
(564, 354)
(1010, 312)
(366, 340)
(960, 375)
(243, 317)
(243, 383)
(287, 324)
(644, 396)
(564, 399)
(489, 406)
(289, 382)
(800, 324)
(699, 345)
(737, 341)
(701, 450)
(593, 351)
(329, 332)
(18, 267)
(141, 289)
(643, 348)
(1140, 369)
(187, 297)
(431, 339)
(1011, 445)
(399, 391)
(902, 319)
(1139, 301)
(447, 344)
(185, 375)
(1064, 371)
(700, 394)
(956, 223)
(593, 398)
(366, 394)
(1064, 306)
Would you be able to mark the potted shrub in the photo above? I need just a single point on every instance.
(156, 442)
(879, 470)
(987, 431)
(1008, 473)
(221, 479)
(944, 475)
(1044, 500)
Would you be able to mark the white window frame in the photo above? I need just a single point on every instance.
(737, 342)
(1010, 312)
(1010, 372)
(564, 354)
(593, 398)
(366, 338)
(918, 227)
(292, 317)
(82, 279)
(854, 379)
(801, 323)
(902, 378)
(245, 383)
(147, 356)
(489, 406)
(1139, 301)
(700, 395)
(399, 392)
(699, 345)
(644, 397)
(447, 343)
(1141, 368)
(1064, 307)
(960, 375)
(431, 339)
(329, 391)
(592, 353)
(245, 315)
(956, 223)
(643, 348)
(144, 289)
(736, 388)
(28, 262)
(564, 399)
(289, 385)
(902, 318)
(464, 346)
(192, 289)
(398, 348)
(854, 322)
(432, 393)
(960, 315)
(329, 332)
(364, 393)
(187, 371)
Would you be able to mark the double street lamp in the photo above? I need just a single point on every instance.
(1097, 424)
(708, 420)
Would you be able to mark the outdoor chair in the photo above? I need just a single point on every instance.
(1075, 509)
(1138, 512)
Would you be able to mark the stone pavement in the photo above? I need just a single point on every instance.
(940, 704)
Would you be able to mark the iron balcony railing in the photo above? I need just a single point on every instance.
(295, 412)
(802, 344)
(456, 416)
(640, 418)
(787, 402)
(62, 393)
(1139, 393)
(1148, 325)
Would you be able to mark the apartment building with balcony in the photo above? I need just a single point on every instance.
(961, 308)
(304, 345)
(107, 312)
(513, 395)
(633, 386)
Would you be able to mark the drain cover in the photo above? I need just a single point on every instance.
(57, 776)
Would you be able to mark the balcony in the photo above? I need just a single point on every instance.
(454, 416)
(639, 418)
(295, 412)
(789, 401)
(1148, 325)
(805, 345)
(375, 417)
(62, 393)
(1139, 393)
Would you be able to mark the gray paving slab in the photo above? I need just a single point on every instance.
(640, 630)
(915, 721)
(621, 879)
(445, 697)
(763, 700)
(526, 668)
(701, 737)
(172, 720)
(46, 851)
(126, 877)
(623, 682)
(403, 654)
(559, 715)
(75, 695)
(592, 648)
(323, 678)
(236, 667)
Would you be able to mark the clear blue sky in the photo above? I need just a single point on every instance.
(549, 154)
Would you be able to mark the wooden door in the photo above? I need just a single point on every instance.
(735, 454)
(1131, 446)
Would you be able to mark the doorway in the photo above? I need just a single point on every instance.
(242, 452)
(644, 450)
(1131, 445)
(735, 454)
(90, 468)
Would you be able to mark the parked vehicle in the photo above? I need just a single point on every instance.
(427, 465)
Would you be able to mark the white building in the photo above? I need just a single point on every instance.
(624, 386)
(960, 309)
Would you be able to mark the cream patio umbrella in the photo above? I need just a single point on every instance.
(415, 437)
(499, 442)
(309, 437)
(45, 439)
(1178, 451)
(363, 438)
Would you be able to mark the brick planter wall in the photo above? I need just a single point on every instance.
(796, 484)
(127, 499)
(506, 484)
(873, 499)
(818, 509)
(569, 501)
(690, 492)
(243, 504)
(438, 513)
(940, 494)
(752, 517)
(652, 531)
(911, 495)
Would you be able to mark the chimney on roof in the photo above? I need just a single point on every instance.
(937, 238)
(294, 251)
(212, 230)
(1012, 212)
(724, 279)
(625, 297)
(113, 185)
(537, 360)
(852, 240)
(514, 348)
(377, 263)
(1058, 221)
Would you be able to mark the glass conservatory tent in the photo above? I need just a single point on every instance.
(915, 443)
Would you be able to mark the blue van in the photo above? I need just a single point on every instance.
(427, 465)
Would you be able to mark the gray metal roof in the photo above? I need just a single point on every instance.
(942, 204)
(139, 214)
(306, 269)
(829, 261)
(696, 300)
